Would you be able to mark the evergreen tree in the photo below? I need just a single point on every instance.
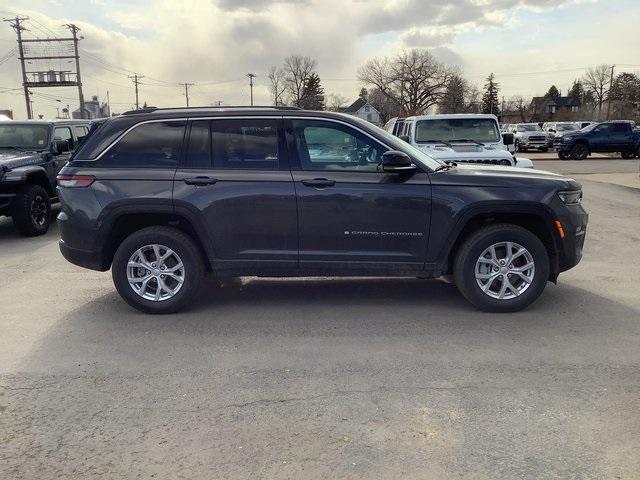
(576, 90)
(490, 102)
(553, 92)
(454, 98)
(312, 94)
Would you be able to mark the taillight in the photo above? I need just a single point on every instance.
(75, 181)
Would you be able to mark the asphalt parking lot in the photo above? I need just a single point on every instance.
(331, 378)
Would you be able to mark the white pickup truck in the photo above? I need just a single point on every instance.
(462, 138)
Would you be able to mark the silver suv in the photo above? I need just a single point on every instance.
(529, 136)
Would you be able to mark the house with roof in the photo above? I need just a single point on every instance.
(547, 108)
(363, 109)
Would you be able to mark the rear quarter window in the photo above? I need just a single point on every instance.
(154, 145)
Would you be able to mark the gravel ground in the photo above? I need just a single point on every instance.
(325, 378)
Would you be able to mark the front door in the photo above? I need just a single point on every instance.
(349, 212)
(235, 180)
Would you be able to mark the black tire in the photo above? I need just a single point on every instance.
(182, 245)
(31, 211)
(628, 155)
(470, 251)
(517, 147)
(579, 151)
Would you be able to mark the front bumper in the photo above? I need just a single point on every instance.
(574, 223)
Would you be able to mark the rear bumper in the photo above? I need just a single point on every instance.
(83, 258)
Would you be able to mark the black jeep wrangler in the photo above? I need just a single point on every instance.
(161, 196)
(31, 155)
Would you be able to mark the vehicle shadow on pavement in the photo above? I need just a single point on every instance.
(325, 379)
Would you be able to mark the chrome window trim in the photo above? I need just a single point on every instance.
(244, 117)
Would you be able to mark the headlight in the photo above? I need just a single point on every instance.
(572, 197)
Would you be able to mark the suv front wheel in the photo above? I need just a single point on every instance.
(158, 270)
(501, 268)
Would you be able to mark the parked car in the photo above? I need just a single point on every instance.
(462, 138)
(31, 155)
(613, 136)
(162, 196)
(529, 136)
(582, 125)
(394, 126)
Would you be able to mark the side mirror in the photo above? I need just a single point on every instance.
(507, 138)
(61, 146)
(405, 138)
(395, 161)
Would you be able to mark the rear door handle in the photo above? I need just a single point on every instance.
(319, 183)
(200, 181)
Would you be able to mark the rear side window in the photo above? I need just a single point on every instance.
(80, 132)
(245, 144)
(64, 133)
(155, 144)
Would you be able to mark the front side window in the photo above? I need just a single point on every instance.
(245, 144)
(333, 146)
(64, 133)
(27, 137)
(155, 144)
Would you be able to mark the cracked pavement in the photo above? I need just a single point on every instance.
(324, 378)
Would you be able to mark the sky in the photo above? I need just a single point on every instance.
(528, 44)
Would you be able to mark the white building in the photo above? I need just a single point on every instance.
(363, 109)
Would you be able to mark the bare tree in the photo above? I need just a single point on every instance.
(335, 101)
(596, 81)
(518, 104)
(297, 70)
(413, 79)
(277, 85)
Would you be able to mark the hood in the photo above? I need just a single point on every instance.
(513, 177)
(464, 152)
(10, 159)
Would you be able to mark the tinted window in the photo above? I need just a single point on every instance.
(64, 133)
(332, 146)
(245, 144)
(619, 128)
(148, 145)
(199, 147)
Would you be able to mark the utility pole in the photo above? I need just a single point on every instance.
(16, 25)
(186, 90)
(108, 103)
(251, 77)
(609, 93)
(136, 81)
(74, 31)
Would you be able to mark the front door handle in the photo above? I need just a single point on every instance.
(319, 183)
(200, 181)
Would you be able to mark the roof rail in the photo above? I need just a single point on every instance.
(221, 107)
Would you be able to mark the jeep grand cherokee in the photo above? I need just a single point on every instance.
(162, 196)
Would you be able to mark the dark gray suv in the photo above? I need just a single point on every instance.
(163, 196)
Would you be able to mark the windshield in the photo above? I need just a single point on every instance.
(529, 127)
(483, 130)
(28, 137)
(566, 127)
(403, 146)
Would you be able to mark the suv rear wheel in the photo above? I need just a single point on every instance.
(501, 268)
(31, 211)
(158, 270)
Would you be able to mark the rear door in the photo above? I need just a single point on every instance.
(235, 180)
(351, 214)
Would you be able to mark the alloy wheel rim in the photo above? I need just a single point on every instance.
(505, 270)
(155, 272)
(39, 210)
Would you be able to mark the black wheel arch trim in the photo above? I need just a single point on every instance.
(497, 207)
